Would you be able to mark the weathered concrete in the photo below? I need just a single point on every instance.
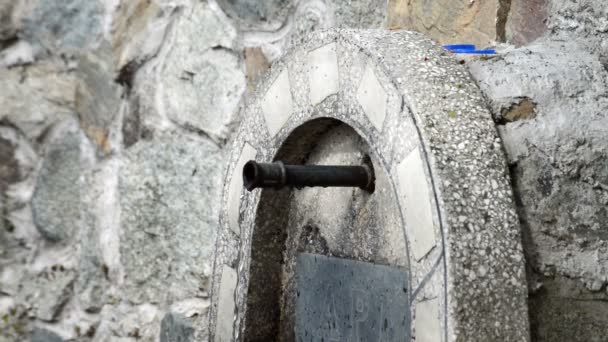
(428, 92)
(559, 168)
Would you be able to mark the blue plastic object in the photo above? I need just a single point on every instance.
(468, 49)
(460, 47)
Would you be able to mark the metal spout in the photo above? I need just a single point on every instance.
(278, 175)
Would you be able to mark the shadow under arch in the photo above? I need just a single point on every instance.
(287, 223)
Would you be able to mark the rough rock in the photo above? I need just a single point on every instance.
(99, 262)
(175, 328)
(203, 90)
(315, 15)
(65, 25)
(559, 167)
(359, 14)
(18, 53)
(92, 284)
(256, 65)
(527, 21)
(93, 274)
(583, 18)
(56, 203)
(7, 30)
(35, 98)
(477, 22)
(9, 173)
(268, 15)
(125, 322)
(47, 293)
(137, 33)
(168, 197)
(44, 335)
(97, 98)
(9, 169)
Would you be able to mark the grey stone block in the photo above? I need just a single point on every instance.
(44, 335)
(348, 300)
(56, 203)
(175, 328)
(168, 197)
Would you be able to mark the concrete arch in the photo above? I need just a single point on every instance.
(426, 124)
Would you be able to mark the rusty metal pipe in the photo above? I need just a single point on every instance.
(278, 175)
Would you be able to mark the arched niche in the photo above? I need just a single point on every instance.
(442, 184)
(342, 222)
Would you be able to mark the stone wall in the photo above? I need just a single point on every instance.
(115, 117)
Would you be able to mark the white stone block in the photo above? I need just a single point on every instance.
(415, 197)
(236, 187)
(226, 306)
(372, 97)
(323, 73)
(427, 326)
(277, 104)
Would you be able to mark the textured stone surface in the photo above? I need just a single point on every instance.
(253, 14)
(359, 14)
(47, 293)
(429, 93)
(168, 214)
(175, 328)
(256, 65)
(559, 167)
(64, 60)
(7, 29)
(18, 53)
(36, 98)
(56, 202)
(44, 335)
(97, 99)
(138, 31)
(527, 21)
(128, 72)
(476, 22)
(69, 25)
(203, 89)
